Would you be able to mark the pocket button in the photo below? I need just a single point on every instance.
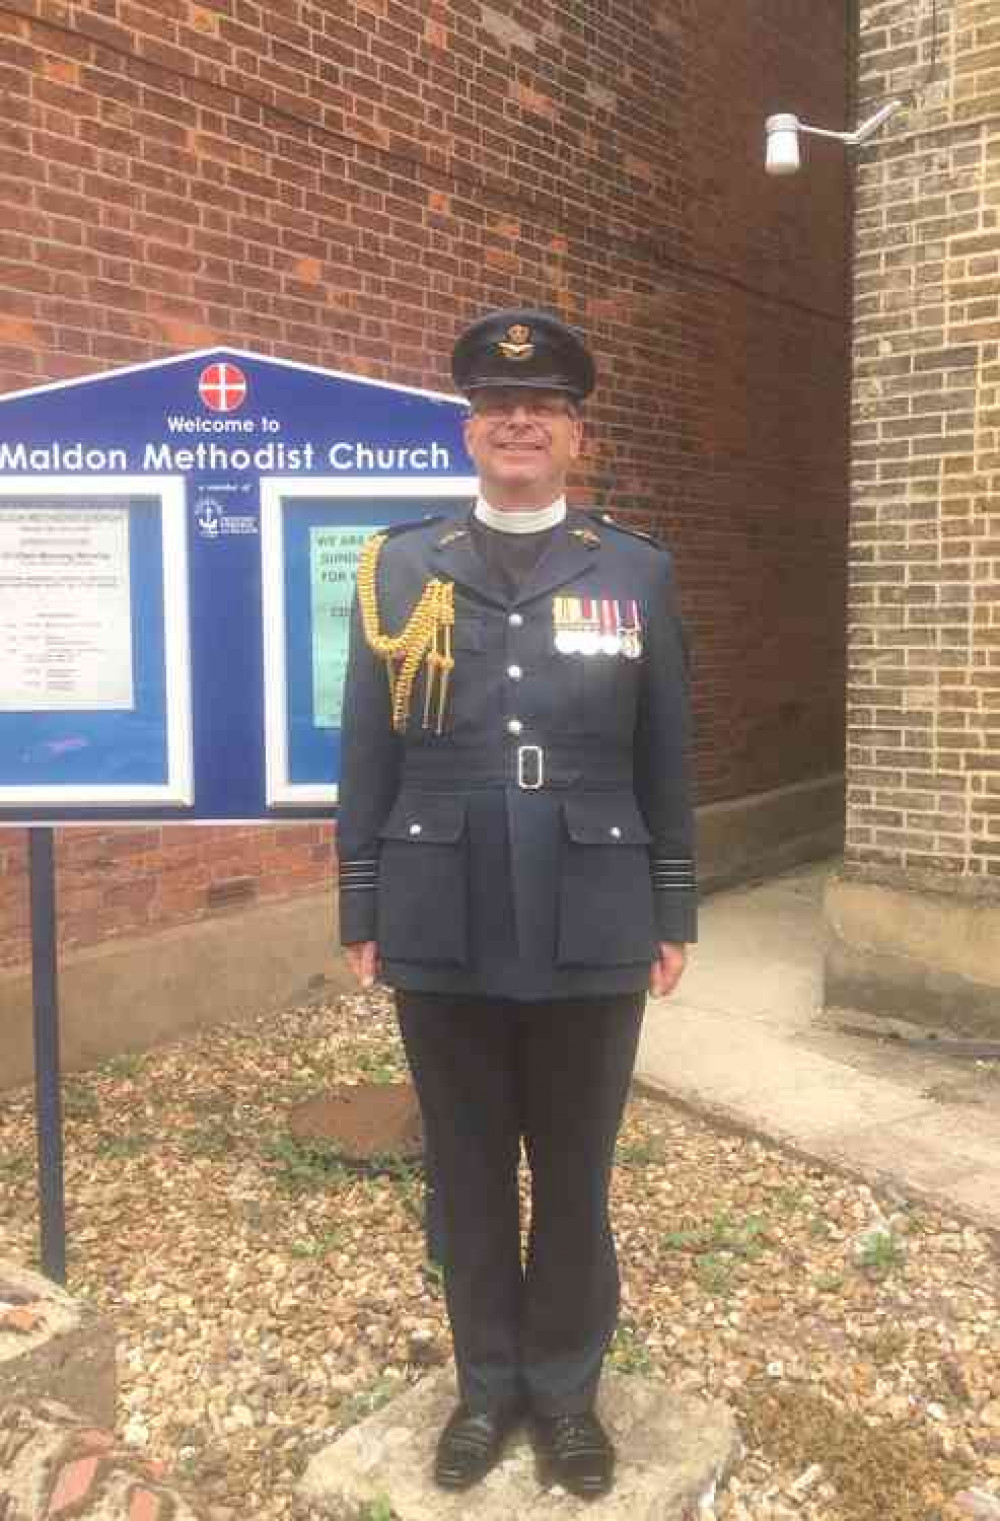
(416, 829)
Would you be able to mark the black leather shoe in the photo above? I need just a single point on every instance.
(577, 1453)
(469, 1446)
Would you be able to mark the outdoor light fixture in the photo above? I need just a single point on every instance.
(782, 136)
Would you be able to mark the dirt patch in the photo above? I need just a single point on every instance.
(362, 1123)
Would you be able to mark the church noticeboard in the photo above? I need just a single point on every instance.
(178, 544)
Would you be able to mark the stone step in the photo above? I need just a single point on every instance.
(674, 1455)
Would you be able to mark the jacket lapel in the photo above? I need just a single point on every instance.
(454, 556)
(570, 555)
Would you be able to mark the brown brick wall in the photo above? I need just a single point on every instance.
(345, 182)
(924, 689)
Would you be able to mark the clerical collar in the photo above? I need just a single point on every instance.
(535, 521)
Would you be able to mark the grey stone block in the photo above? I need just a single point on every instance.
(68, 1355)
(674, 1454)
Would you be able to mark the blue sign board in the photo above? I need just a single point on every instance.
(178, 544)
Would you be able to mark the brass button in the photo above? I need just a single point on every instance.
(515, 620)
(514, 726)
(416, 829)
(616, 833)
(514, 672)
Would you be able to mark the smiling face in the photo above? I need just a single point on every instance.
(523, 442)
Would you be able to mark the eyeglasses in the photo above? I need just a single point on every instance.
(545, 408)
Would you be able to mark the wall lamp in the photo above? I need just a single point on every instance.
(782, 137)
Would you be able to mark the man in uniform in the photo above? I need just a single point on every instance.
(515, 844)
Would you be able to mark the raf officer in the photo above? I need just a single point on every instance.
(515, 847)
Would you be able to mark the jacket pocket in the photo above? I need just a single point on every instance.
(605, 892)
(423, 881)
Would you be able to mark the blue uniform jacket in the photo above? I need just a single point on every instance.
(543, 843)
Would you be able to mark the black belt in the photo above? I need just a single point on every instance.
(530, 767)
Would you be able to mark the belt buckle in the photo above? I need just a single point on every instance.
(537, 755)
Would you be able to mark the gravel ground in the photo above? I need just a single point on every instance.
(267, 1297)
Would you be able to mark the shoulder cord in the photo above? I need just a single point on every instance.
(426, 636)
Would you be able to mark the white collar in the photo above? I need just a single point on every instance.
(533, 521)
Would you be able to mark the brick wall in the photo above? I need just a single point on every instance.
(924, 693)
(347, 183)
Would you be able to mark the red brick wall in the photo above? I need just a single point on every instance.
(346, 183)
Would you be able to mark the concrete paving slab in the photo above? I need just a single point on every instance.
(757, 1078)
(745, 1041)
(761, 950)
(674, 1453)
(947, 1157)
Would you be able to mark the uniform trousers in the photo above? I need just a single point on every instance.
(489, 1072)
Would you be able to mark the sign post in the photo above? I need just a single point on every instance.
(48, 1095)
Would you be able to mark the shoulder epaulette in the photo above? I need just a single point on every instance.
(607, 521)
(392, 529)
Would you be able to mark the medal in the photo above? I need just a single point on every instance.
(597, 626)
(631, 632)
(577, 626)
(610, 621)
(563, 620)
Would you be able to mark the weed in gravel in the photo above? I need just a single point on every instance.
(319, 1245)
(128, 1064)
(433, 1275)
(210, 1105)
(715, 1273)
(726, 1234)
(302, 1166)
(829, 1283)
(378, 1510)
(882, 1471)
(409, 1179)
(79, 1101)
(681, 1241)
(889, 1344)
(366, 1401)
(15, 1168)
(186, 1465)
(745, 1238)
(629, 1353)
(378, 1064)
(121, 1148)
(881, 1253)
(648, 1152)
(211, 1140)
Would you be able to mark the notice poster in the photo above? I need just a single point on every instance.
(65, 609)
(333, 566)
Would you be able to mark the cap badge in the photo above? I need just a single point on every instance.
(517, 345)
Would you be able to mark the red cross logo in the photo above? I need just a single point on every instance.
(223, 387)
